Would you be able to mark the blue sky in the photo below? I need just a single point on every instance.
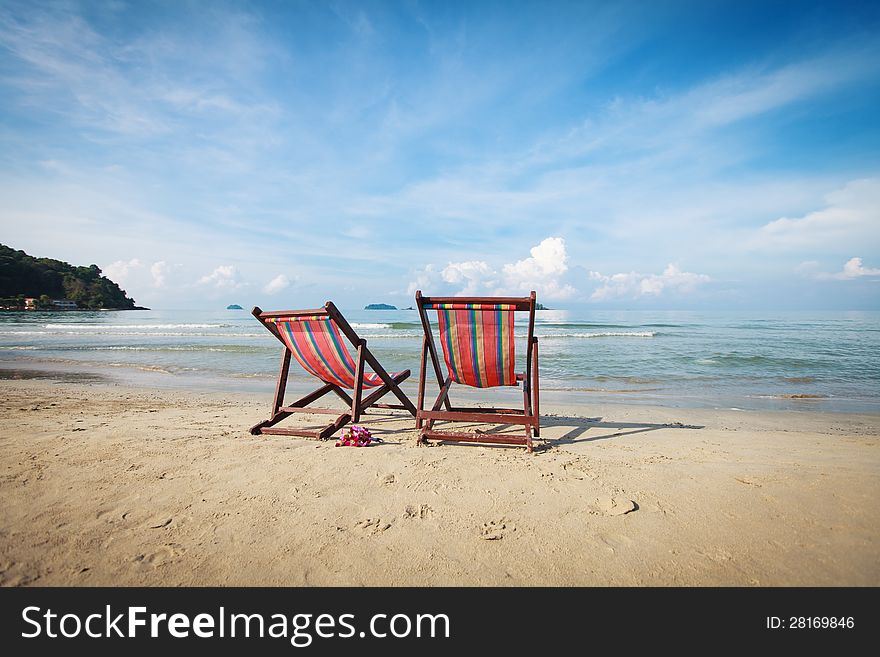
(609, 154)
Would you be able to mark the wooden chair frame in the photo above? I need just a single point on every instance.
(356, 401)
(529, 416)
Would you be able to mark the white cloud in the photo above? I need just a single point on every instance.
(853, 268)
(851, 215)
(547, 264)
(277, 284)
(635, 285)
(224, 277)
(159, 272)
(119, 271)
(424, 279)
(542, 272)
(476, 275)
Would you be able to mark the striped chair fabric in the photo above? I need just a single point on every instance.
(316, 344)
(478, 344)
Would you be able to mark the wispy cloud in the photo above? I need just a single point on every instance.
(645, 180)
(277, 284)
(851, 217)
(160, 271)
(633, 285)
(224, 278)
(119, 270)
(142, 88)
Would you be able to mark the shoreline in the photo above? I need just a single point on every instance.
(116, 485)
(152, 377)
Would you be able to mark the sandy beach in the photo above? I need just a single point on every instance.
(110, 485)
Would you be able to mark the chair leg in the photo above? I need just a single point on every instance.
(358, 386)
(281, 386)
(334, 426)
(423, 364)
(536, 406)
(278, 400)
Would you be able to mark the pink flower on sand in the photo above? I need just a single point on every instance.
(355, 436)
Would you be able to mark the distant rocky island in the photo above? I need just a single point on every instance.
(29, 283)
(234, 306)
(541, 306)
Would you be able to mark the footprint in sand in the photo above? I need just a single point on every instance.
(162, 555)
(158, 522)
(421, 512)
(373, 525)
(494, 530)
(113, 512)
(613, 505)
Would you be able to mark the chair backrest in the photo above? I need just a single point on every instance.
(317, 339)
(477, 336)
(316, 344)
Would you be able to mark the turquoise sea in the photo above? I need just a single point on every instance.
(826, 361)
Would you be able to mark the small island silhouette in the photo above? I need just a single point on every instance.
(379, 306)
(234, 306)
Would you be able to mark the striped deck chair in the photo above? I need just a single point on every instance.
(316, 340)
(476, 335)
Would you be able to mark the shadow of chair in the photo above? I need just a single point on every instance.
(580, 426)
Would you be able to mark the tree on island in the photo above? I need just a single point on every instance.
(44, 279)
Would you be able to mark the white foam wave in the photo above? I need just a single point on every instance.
(126, 327)
(226, 349)
(141, 334)
(603, 334)
(22, 333)
(367, 325)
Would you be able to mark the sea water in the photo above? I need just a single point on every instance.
(789, 360)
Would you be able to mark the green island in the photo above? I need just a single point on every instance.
(29, 283)
(379, 306)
